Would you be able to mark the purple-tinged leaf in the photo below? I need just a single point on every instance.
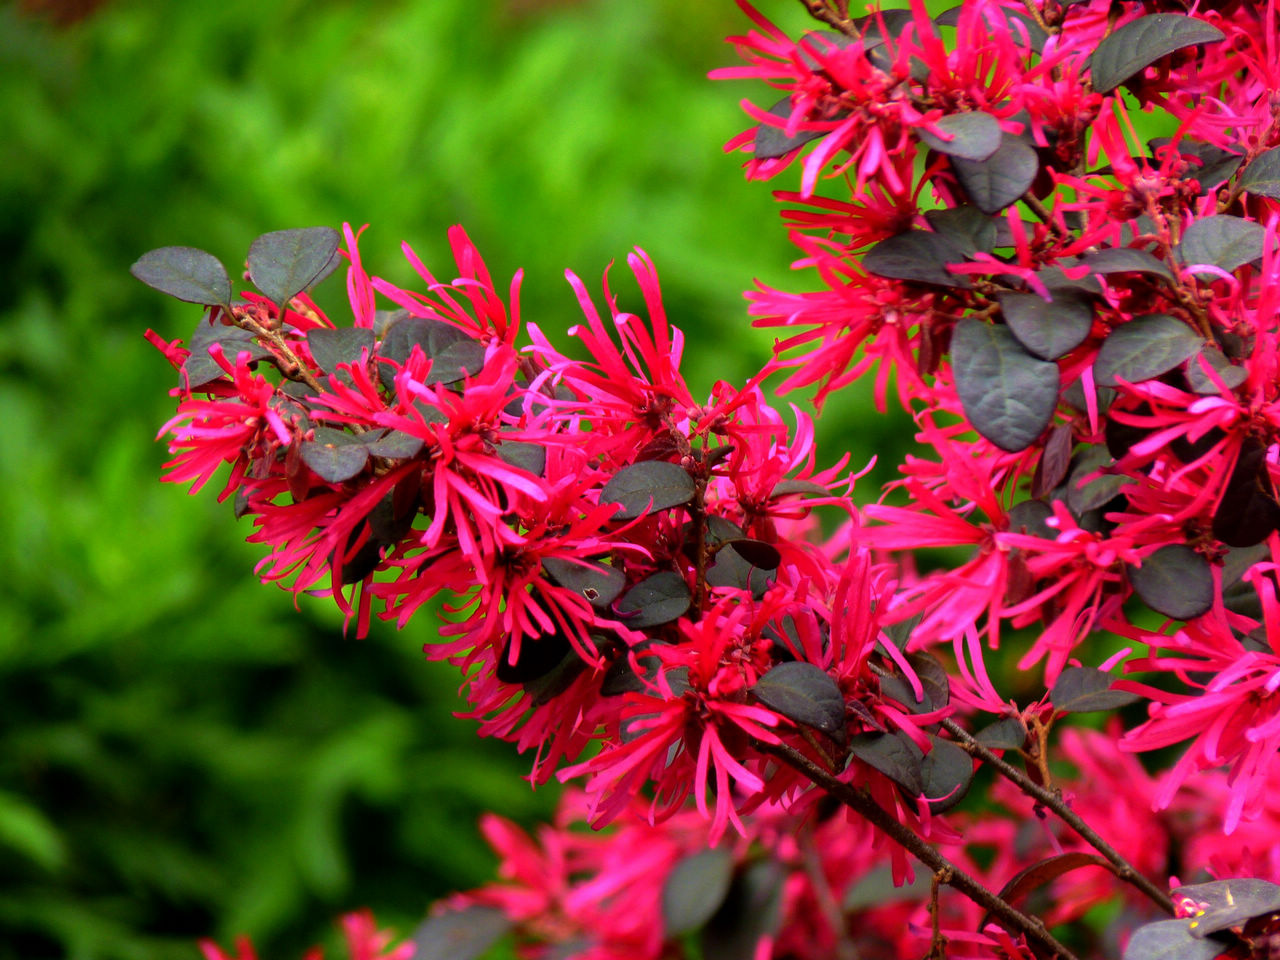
(1007, 733)
(752, 910)
(973, 136)
(1045, 871)
(283, 263)
(453, 354)
(934, 685)
(1198, 380)
(1082, 495)
(1008, 395)
(758, 553)
(530, 457)
(947, 772)
(1262, 176)
(805, 694)
(731, 569)
(186, 273)
(1175, 581)
(343, 345)
(971, 230)
(199, 368)
(1141, 42)
(334, 460)
(1029, 517)
(1086, 689)
(395, 445)
(1001, 178)
(918, 256)
(647, 487)
(598, 583)
(1126, 260)
(694, 890)
(1222, 241)
(1230, 903)
(1171, 940)
(538, 657)
(460, 934)
(1055, 461)
(1144, 348)
(657, 599)
(786, 488)
(771, 141)
(1248, 511)
(894, 755)
(1049, 329)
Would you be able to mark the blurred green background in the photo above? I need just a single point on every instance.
(181, 753)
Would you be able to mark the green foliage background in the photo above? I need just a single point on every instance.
(181, 753)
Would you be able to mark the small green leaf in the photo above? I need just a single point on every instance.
(1126, 260)
(1175, 581)
(919, 256)
(947, 772)
(647, 487)
(1049, 329)
(1008, 395)
(1170, 940)
(1144, 348)
(1086, 689)
(970, 136)
(283, 263)
(1000, 179)
(598, 583)
(1222, 241)
(343, 345)
(803, 693)
(460, 934)
(657, 599)
(694, 890)
(1262, 176)
(186, 273)
(1141, 42)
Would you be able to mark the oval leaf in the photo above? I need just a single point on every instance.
(1085, 689)
(530, 457)
(772, 141)
(1223, 241)
(970, 136)
(894, 755)
(758, 553)
(1170, 940)
(1126, 260)
(1198, 378)
(655, 600)
(694, 890)
(598, 583)
(1000, 179)
(395, 445)
(1140, 43)
(283, 263)
(199, 368)
(1085, 495)
(343, 345)
(919, 256)
(1008, 395)
(1230, 903)
(1247, 512)
(947, 772)
(1007, 733)
(803, 693)
(1262, 176)
(934, 685)
(334, 463)
(1048, 328)
(731, 569)
(460, 934)
(647, 486)
(538, 657)
(187, 273)
(1175, 581)
(1144, 348)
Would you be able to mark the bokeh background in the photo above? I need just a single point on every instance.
(183, 754)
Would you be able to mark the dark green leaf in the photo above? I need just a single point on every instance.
(1140, 43)
(1082, 495)
(947, 772)
(758, 553)
(1126, 260)
(772, 141)
(530, 457)
(285, 262)
(899, 633)
(648, 486)
(343, 345)
(657, 599)
(731, 569)
(200, 368)
(919, 256)
(453, 354)
(1231, 903)
(972, 136)
(1000, 179)
(876, 889)
(752, 909)
(1048, 328)
(598, 583)
(187, 273)
(334, 462)
(1222, 241)
(1262, 176)
(694, 890)
(1144, 348)
(1170, 940)
(1085, 689)
(785, 488)
(460, 934)
(1008, 395)
(538, 657)
(556, 681)
(1007, 733)
(395, 445)
(1175, 581)
(1029, 517)
(1055, 461)
(803, 693)
(1247, 512)
(1230, 375)
(933, 684)
(971, 230)
(894, 755)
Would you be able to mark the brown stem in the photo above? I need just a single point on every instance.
(1013, 919)
(1053, 801)
(840, 19)
(1042, 213)
(293, 367)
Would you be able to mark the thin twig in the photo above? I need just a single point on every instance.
(820, 10)
(860, 801)
(1053, 801)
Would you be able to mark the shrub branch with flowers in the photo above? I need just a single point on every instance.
(787, 732)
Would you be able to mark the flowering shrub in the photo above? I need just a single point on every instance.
(774, 707)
